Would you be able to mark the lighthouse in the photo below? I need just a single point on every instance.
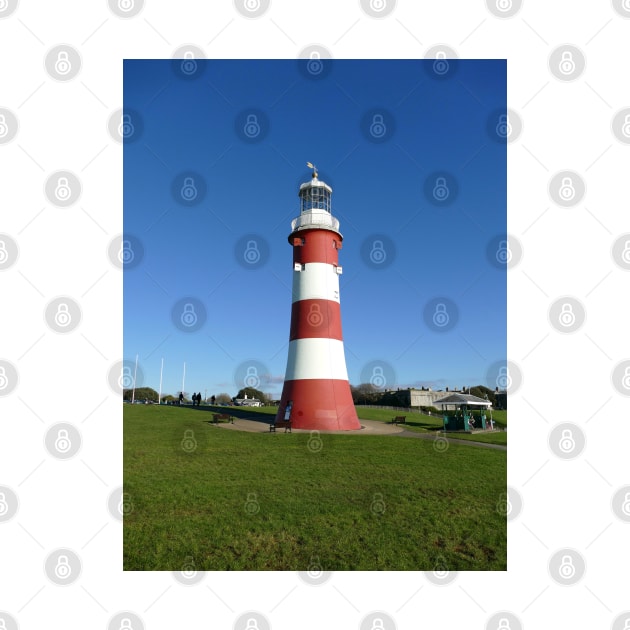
(316, 393)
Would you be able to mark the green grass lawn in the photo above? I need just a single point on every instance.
(415, 421)
(230, 500)
(424, 424)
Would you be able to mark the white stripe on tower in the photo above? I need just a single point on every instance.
(317, 281)
(316, 359)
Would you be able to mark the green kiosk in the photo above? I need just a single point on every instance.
(464, 412)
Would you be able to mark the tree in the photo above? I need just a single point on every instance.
(365, 394)
(252, 393)
(142, 393)
(213, 399)
(481, 391)
(168, 398)
(222, 399)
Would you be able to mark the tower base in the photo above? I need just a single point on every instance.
(319, 404)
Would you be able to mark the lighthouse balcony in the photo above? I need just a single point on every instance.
(315, 219)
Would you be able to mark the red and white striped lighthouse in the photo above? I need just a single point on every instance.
(316, 392)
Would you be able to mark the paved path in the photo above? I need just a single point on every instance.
(368, 427)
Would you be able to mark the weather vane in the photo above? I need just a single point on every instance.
(313, 167)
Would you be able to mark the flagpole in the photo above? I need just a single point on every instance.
(160, 394)
(184, 377)
(135, 372)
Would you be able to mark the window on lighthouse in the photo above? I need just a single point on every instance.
(315, 197)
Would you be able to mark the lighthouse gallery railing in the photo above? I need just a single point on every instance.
(311, 219)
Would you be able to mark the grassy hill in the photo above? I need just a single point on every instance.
(230, 500)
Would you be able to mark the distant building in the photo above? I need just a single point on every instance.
(248, 402)
(427, 397)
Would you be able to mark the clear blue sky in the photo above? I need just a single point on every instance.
(436, 251)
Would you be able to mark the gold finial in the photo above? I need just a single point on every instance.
(313, 167)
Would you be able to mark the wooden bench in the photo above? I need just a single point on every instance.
(280, 424)
(219, 417)
(399, 420)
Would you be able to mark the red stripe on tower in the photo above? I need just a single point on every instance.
(316, 390)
